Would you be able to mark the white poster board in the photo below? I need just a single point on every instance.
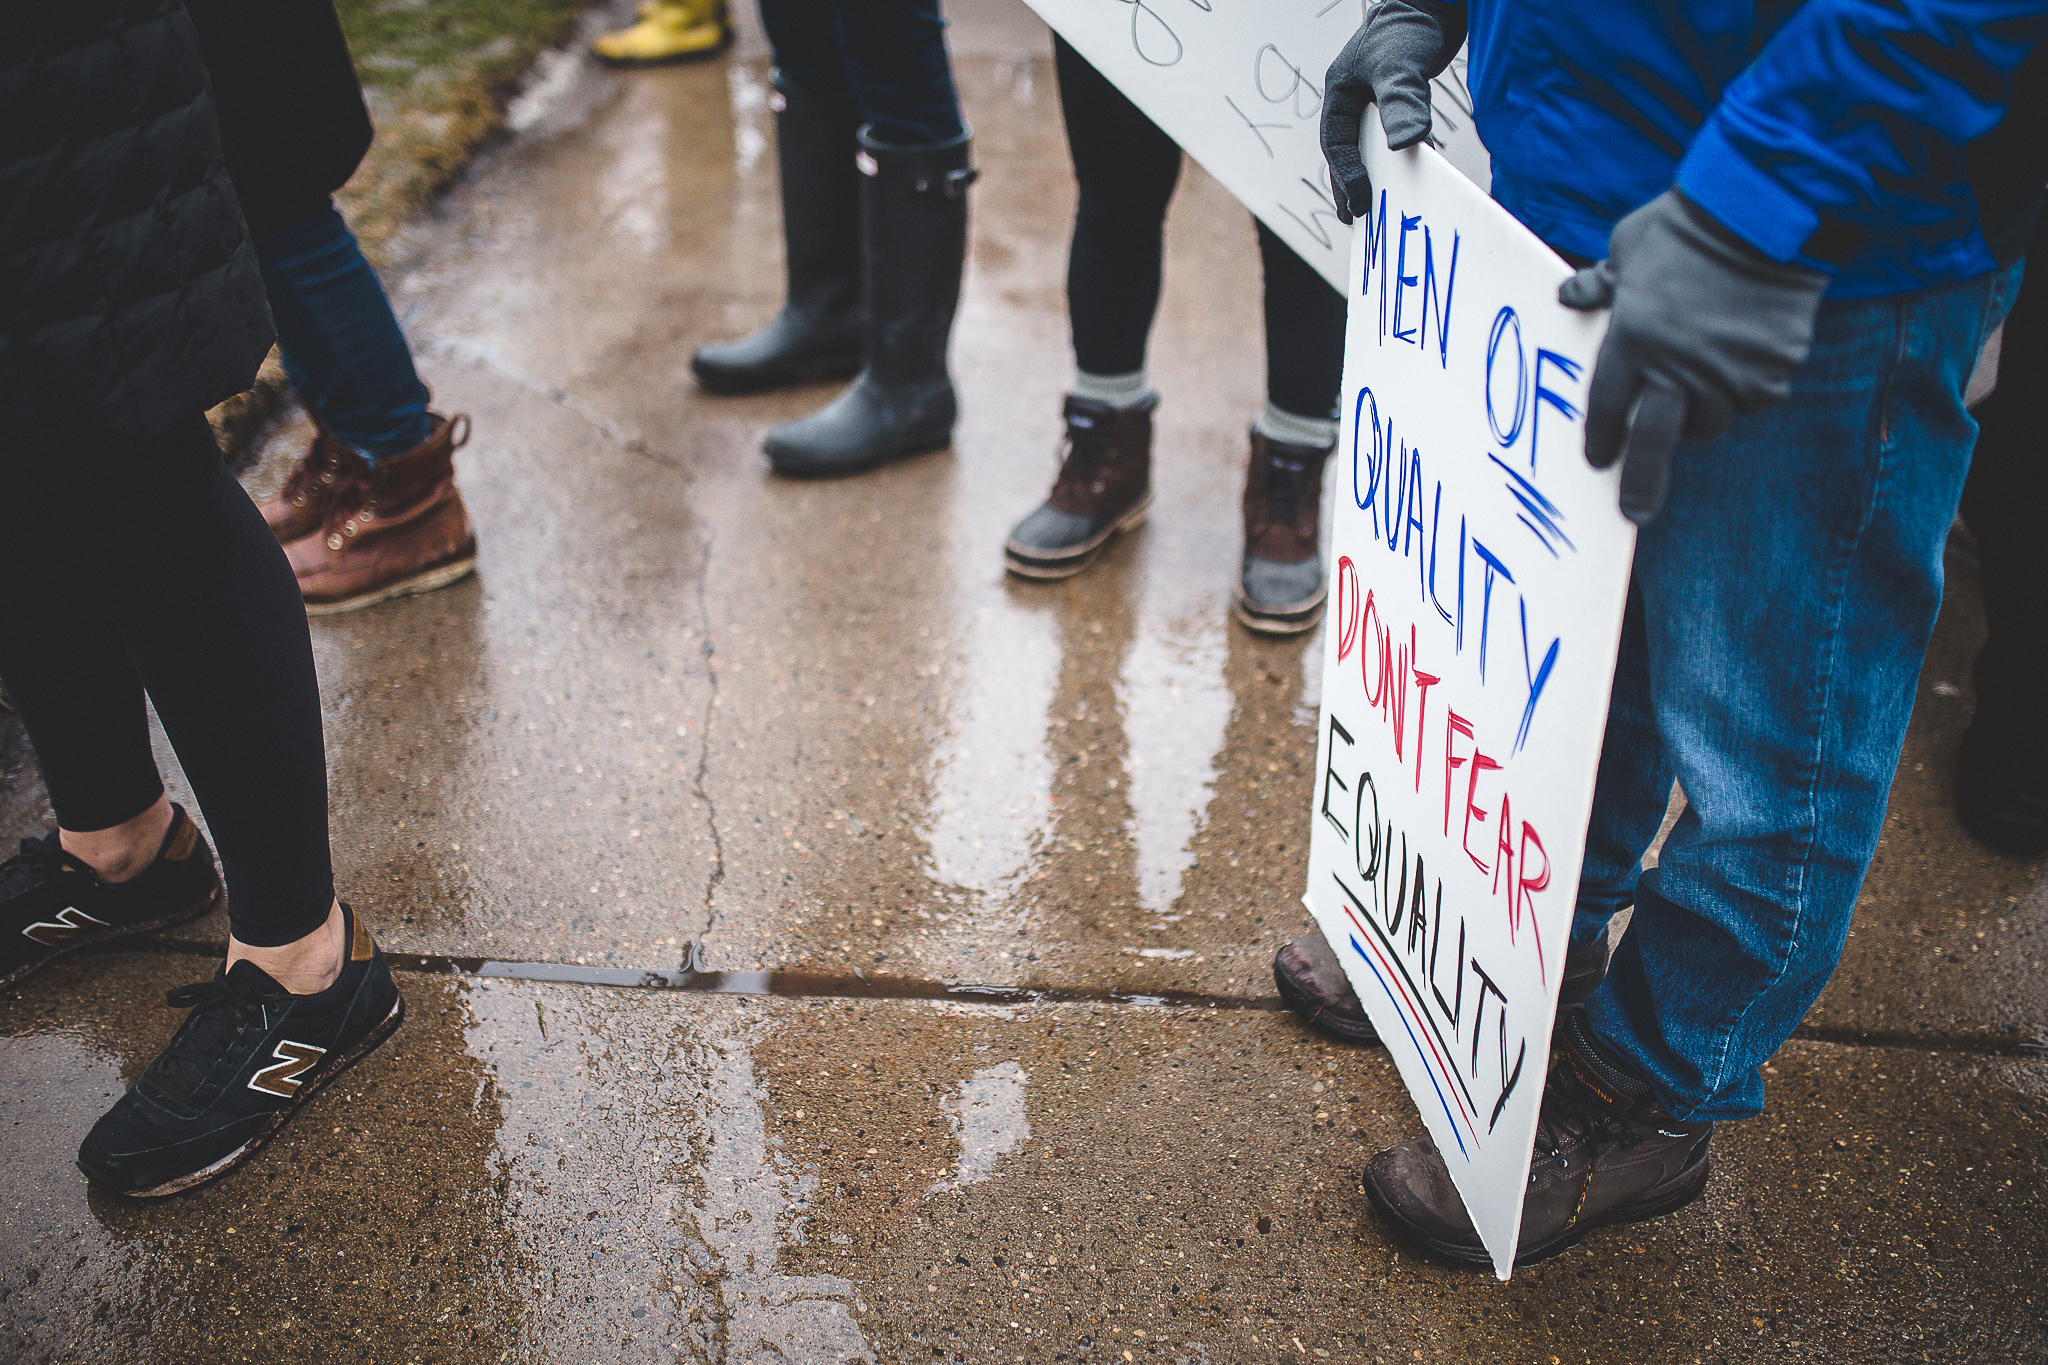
(1479, 572)
(1240, 87)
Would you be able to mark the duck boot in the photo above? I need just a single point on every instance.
(817, 335)
(1280, 586)
(398, 527)
(913, 248)
(667, 31)
(1104, 486)
(310, 490)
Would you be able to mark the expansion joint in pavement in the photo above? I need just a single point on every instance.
(798, 983)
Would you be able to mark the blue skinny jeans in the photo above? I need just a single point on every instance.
(1777, 619)
(342, 347)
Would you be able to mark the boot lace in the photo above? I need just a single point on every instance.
(1089, 453)
(1286, 495)
(221, 1009)
(1569, 1109)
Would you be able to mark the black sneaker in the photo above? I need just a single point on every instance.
(247, 1057)
(52, 904)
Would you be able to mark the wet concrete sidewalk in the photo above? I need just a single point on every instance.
(813, 727)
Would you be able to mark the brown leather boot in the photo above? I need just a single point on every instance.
(1606, 1152)
(397, 528)
(1280, 586)
(301, 506)
(1314, 987)
(1104, 486)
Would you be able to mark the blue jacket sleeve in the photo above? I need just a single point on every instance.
(1857, 114)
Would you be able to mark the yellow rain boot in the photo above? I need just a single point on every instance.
(668, 31)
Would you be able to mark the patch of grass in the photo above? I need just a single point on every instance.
(437, 74)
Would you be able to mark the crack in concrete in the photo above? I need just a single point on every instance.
(468, 348)
(717, 876)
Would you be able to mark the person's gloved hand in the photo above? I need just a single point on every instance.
(1390, 61)
(1705, 329)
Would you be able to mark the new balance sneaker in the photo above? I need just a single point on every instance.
(52, 904)
(249, 1055)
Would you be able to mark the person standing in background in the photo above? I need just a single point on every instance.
(371, 511)
(874, 173)
(1127, 169)
(2002, 773)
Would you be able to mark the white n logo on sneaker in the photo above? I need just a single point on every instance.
(70, 921)
(282, 1080)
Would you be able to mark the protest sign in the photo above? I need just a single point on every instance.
(1240, 88)
(1479, 571)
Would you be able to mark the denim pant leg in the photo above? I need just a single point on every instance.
(1788, 595)
(1630, 792)
(889, 55)
(342, 347)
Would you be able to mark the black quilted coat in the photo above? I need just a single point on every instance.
(129, 295)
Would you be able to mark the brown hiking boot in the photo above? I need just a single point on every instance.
(301, 506)
(397, 528)
(1104, 486)
(1606, 1152)
(1280, 586)
(1313, 984)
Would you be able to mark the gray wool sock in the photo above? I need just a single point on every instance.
(1277, 424)
(1116, 390)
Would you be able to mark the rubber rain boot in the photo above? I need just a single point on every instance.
(667, 31)
(913, 249)
(817, 335)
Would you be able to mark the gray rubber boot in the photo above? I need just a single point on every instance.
(817, 335)
(913, 249)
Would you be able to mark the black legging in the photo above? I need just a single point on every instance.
(145, 567)
(1127, 169)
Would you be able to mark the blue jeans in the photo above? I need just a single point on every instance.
(888, 55)
(341, 345)
(1776, 623)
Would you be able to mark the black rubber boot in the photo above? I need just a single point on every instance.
(817, 335)
(913, 248)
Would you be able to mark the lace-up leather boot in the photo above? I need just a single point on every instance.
(1313, 985)
(1606, 1152)
(301, 506)
(1280, 586)
(1104, 486)
(394, 529)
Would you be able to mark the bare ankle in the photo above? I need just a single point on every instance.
(305, 966)
(124, 851)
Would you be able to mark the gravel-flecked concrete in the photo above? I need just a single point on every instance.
(813, 726)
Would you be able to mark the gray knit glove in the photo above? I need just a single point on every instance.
(1390, 61)
(1705, 329)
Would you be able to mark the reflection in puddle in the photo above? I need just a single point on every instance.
(1176, 708)
(988, 1121)
(632, 180)
(749, 115)
(649, 1199)
(993, 780)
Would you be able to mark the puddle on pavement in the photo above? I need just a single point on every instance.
(987, 1115)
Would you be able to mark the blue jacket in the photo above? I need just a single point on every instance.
(1898, 144)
